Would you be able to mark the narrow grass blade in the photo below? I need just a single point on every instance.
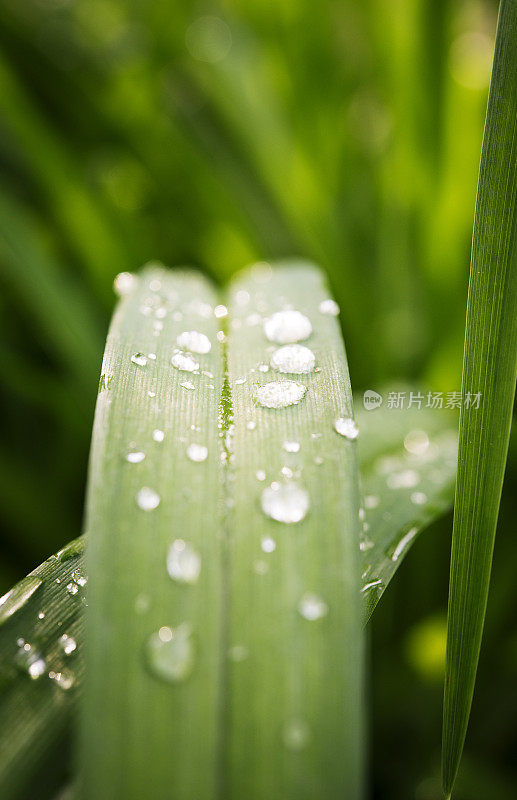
(489, 367)
(408, 470)
(294, 719)
(151, 706)
(41, 669)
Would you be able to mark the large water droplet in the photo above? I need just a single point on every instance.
(194, 341)
(291, 447)
(329, 307)
(184, 362)
(147, 499)
(294, 358)
(287, 327)
(297, 735)
(18, 596)
(346, 427)
(183, 562)
(169, 653)
(197, 452)
(312, 607)
(135, 456)
(67, 644)
(280, 394)
(140, 359)
(285, 502)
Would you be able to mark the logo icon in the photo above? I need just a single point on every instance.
(371, 400)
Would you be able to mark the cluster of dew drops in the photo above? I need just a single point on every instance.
(56, 667)
(169, 651)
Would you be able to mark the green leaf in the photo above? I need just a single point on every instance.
(489, 367)
(296, 697)
(180, 663)
(153, 655)
(408, 469)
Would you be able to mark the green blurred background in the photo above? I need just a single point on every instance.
(218, 134)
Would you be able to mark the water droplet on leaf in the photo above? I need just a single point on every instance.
(287, 503)
(169, 653)
(147, 499)
(287, 327)
(197, 452)
(280, 394)
(293, 358)
(194, 341)
(346, 427)
(140, 359)
(312, 607)
(184, 362)
(183, 562)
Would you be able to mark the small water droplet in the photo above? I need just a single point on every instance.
(72, 588)
(135, 456)
(260, 475)
(403, 480)
(287, 327)
(184, 362)
(194, 341)
(280, 394)
(268, 544)
(220, 311)
(151, 394)
(376, 584)
(140, 359)
(197, 452)
(312, 607)
(240, 381)
(238, 653)
(346, 427)
(124, 283)
(329, 307)
(293, 358)
(183, 562)
(287, 503)
(263, 367)
(291, 447)
(67, 644)
(158, 435)
(296, 735)
(64, 679)
(169, 653)
(188, 385)
(41, 615)
(251, 425)
(147, 499)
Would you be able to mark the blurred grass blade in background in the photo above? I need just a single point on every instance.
(151, 703)
(489, 368)
(408, 470)
(41, 668)
(294, 715)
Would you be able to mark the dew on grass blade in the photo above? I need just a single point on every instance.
(169, 653)
(147, 499)
(291, 447)
(329, 307)
(197, 452)
(158, 435)
(184, 362)
(346, 427)
(293, 358)
(67, 644)
(280, 394)
(135, 456)
(124, 283)
(183, 562)
(140, 359)
(286, 503)
(312, 607)
(194, 341)
(287, 327)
